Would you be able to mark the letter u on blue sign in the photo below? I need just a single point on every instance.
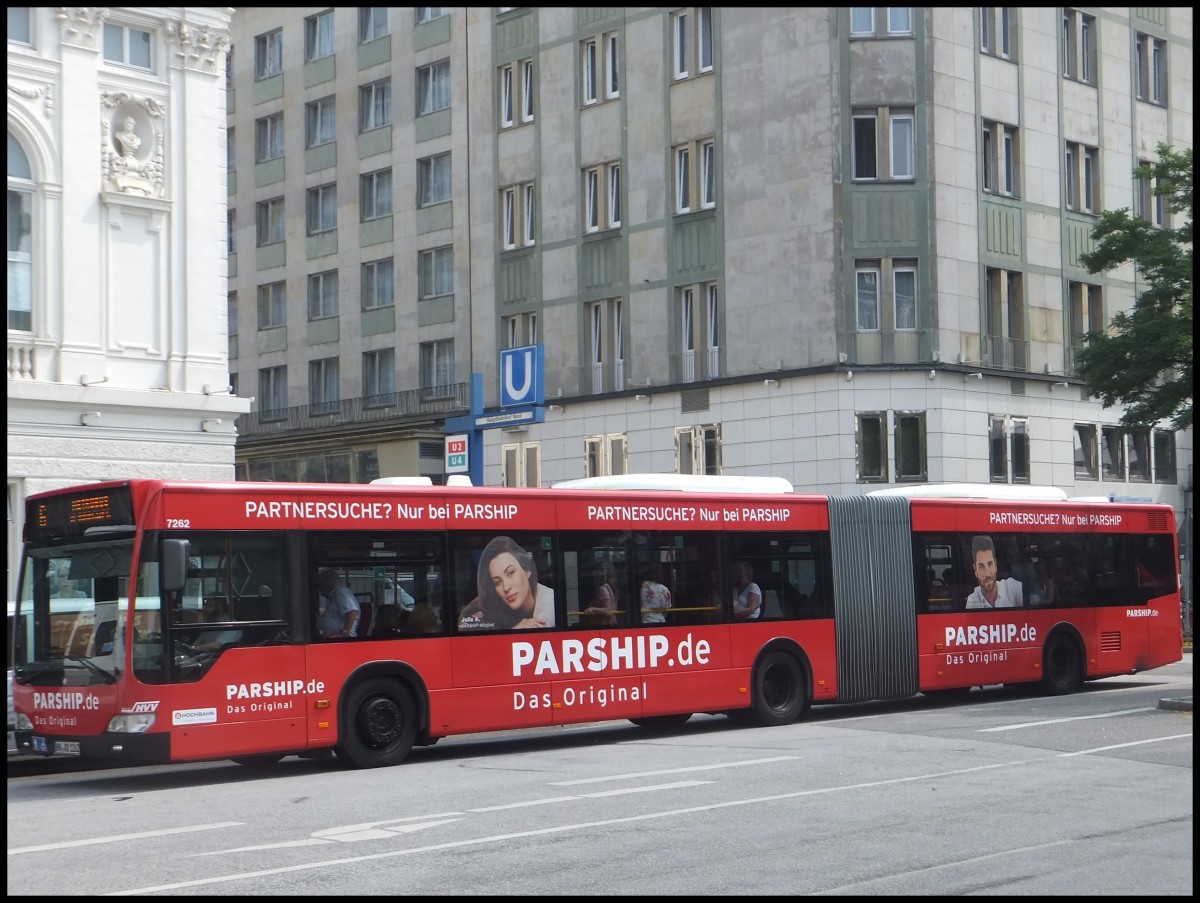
(522, 379)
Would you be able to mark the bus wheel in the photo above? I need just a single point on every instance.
(379, 724)
(1062, 667)
(662, 722)
(261, 761)
(779, 696)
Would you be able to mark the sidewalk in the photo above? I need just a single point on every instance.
(1182, 703)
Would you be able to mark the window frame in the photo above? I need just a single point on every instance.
(323, 292)
(324, 385)
(318, 36)
(433, 80)
(876, 272)
(320, 121)
(908, 144)
(377, 283)
(430, 176)
(372, 195)
(270, 222)
(321, 208)
(369, 28)
(436, 368)
(433, 272)
(871, 435)
(268, 137)
(897, 271)
(375, 105)
(268, 54)
(127, 53)
(272, 305)
(1085, 446)
(379, 376)
(905, 424)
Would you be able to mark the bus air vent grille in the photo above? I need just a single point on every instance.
(1110, 641)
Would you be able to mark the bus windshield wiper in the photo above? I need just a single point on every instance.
(108, 677)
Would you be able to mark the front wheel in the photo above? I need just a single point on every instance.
(1062, 666)
(379, 724)
(778, 690)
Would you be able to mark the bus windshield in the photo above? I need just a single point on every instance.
(72, 608)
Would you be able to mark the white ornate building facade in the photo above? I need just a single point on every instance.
(117, 343)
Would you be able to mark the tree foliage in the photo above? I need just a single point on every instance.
(1144, 360)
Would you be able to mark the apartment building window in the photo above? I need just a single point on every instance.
(526, 68)
(377, 288)
(904, 285)
(229, 69)
(863, 19)
(1081, 176)
(379, 376)
(20, 238)
(612, 66)
(126, 45)
(437, 369)
(997, 31)
(322, 208)
(605, 455)
(433, 87)
(231, 231)
(899, 20)
(323, 386)
(1164, 457)
(320, 125)
(870, 447)
(268, 54)
(697, 319)
(866, 294)
(272, 305)
(521, 464)
(20, 28)
(375, 194)
(518, 216)
(318, 36)
(230, 151)
(435, 272)
(1112, 453)
(695, 190)
(1001, 162)
(373, 23)
(1003, 342)
(506, 96)
(588, 61)
(433, 180)
(231, 315)
(268, 137)
(1086, 306)
(272, 393)
(1147, 202)
(698, 449)
(1085, 452)
(1078, 48)
(1151, 76)
(1008, 449)
(899, 127)
(1137, 451)
(602, 197)
(323, 295)
(516, 93)
(429, 13)
(691, 41)
(375, 105)
(910, 447)
(269, 221)
(519, 330)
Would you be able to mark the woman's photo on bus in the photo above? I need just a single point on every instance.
(509, 594)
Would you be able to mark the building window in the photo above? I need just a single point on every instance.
(1081, 177)
(526, 90)
(429, 13)
(708, 177)
(1085, 452)
(697, 318)
(516, 93)
(318, 36)
(902, 147)
(433, 180)
(375, 105)
(322, 208)
(130, 46)
(323, 295)
(268, 54)
(435, 275)
(870, 447)
(612, 66)
(1147, 202)
(910, 446)
(600, 68)
(997, 31)
(899, 20)
(20, 28)
(588, 63)
(506, 96)
(379, 376)
(1112, 453)
(377, 284)
(230, 151)
(519, 330)
(691, 41)
(1008, 450)
(272, 393)
(231, 231)
(1151, 62)
(231, 315)
(268, 137)
(602, 197)
(904, 281)
(320, 126)
(269, 221)
(1001, 163)
(605, 455)
(437, 369)
(605, 362)
(1164, 456)
(1003, 341)
(375, 194)
(865, 153)
(1086, 310)
(692, 187)
(518, 216)
(433, 87)
(1078, 46)
(698, 449)
(1137, 451)
(272, 305)
(867, 298)
(900, 151)
(372, 23)
(521, 464)
(323, 386)
(862, 21)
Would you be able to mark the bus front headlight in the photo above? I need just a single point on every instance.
(23, 722)
(131, 723)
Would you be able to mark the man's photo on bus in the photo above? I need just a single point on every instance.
(509, 594)
(992, 591)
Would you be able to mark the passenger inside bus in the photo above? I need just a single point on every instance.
(216, 611)
(339, 610)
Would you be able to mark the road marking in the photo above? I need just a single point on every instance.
(1013, 727)
(1084, 752)
(112, 838)
(654, 774)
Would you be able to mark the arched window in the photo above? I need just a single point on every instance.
(20, 243)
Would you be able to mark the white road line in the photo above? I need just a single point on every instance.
(1084, 752)
(111, 838)
(654, 774)
(585, 796)
(1014, 727)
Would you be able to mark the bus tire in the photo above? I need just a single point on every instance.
(1062, 665)
(379, 724)
(779, 695)
(264, 760)
(661, 722)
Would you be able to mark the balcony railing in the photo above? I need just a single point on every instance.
(597, 378)
(699, 364)
(413, 404)
(1005, 353)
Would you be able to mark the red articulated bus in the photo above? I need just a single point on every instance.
(181, 621)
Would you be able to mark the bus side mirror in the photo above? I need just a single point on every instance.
(173, 572)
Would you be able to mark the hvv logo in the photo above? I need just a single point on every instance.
(522, 376)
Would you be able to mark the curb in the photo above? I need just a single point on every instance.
(1176, 705)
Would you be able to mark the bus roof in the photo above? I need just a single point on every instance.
(1016, 492)
(681, 482)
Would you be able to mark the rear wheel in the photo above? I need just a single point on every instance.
(661, 722)
(1062, 666)
(778, 690)
(379, 724)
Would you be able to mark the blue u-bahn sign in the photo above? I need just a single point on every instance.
(522, 376)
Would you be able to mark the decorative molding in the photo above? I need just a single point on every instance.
(44, 91)
(197, 47)
(80, 25)
(127, 165)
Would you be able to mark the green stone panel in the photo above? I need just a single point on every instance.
(431, 219)
(884, 221)
(323, 331)
(435, 310)
(376, 141)
(695, 246)
(318, 71)
(274, 339)
(268, 173)
(600, 263)
(268, 89)
(270, 256)
(323, 156)
(432, 125)
(430, 34)
(375, 231)
(1077, 239)
(588, 16)
(322, 244)
(379, 320)
(514, 280)
(514, 35)
(374, 53)
(1003, 232)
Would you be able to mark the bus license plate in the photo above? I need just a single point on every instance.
(66, 747)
